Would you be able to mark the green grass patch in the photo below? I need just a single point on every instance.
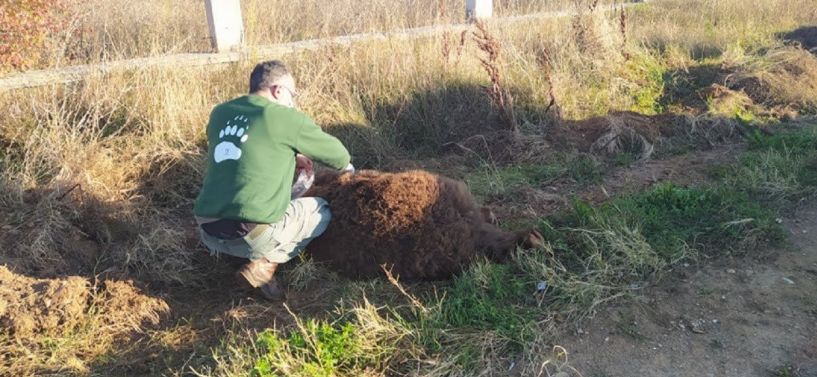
(584, 170)
(779, 168)
(648, 73)
(801, 141)
(624, 159)
(710, 219)
(490, 297)
(492, 181)
(362, 338)
(672, 219)
(324, 349)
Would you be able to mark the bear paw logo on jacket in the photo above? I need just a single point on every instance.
(231, 136)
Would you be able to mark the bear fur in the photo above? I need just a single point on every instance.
(420, 225)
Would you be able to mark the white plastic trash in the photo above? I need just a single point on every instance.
(303, 183)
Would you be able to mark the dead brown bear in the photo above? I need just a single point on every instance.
(425, 226)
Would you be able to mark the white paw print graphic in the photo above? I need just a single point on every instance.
(236, 129)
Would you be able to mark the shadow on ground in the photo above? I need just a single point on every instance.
(805, 37)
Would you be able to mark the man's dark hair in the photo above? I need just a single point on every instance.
(265, 74)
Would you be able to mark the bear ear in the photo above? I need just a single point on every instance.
(531, 239)
(488, 216)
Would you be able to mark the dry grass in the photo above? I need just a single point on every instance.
(781, 76)
(717, 26)
(58, 325)
(101, 30)
(115, 161)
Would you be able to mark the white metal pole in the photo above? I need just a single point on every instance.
(476, 9)
(226, 26)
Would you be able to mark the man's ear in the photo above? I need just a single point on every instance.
(274, 90)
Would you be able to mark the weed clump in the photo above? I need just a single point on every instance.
(365, 339)
(324, 348)
(498, 92)
(491, 297)
(592, 32)
(26, 28)
(781, 168)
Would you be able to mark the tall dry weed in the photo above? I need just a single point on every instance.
(592, 32)
(498, 92)
(622, 28)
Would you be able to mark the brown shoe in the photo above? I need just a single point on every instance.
(272, 291)
(260, 273)
(257, 272)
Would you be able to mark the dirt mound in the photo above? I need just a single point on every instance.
(29, 306)
(782, 77)
(641, 135)
(426, 226)
(54, 306)
(501, 147)
(609, 133)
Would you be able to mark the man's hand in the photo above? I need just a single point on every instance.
(303, 163)
(349, 169)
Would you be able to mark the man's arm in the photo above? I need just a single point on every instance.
(321, 146)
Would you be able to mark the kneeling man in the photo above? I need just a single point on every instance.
(256, 143)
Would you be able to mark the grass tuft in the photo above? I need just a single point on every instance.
(780, 168)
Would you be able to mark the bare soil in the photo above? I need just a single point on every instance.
(30, 306)
(754, 315)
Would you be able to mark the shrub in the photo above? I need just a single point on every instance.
(25, 27)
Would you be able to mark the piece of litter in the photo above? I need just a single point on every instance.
(513, 364)
(541, 286)
(303, 183)
(730, 271)
(778, 220)
(787, 280)
(697, 326)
